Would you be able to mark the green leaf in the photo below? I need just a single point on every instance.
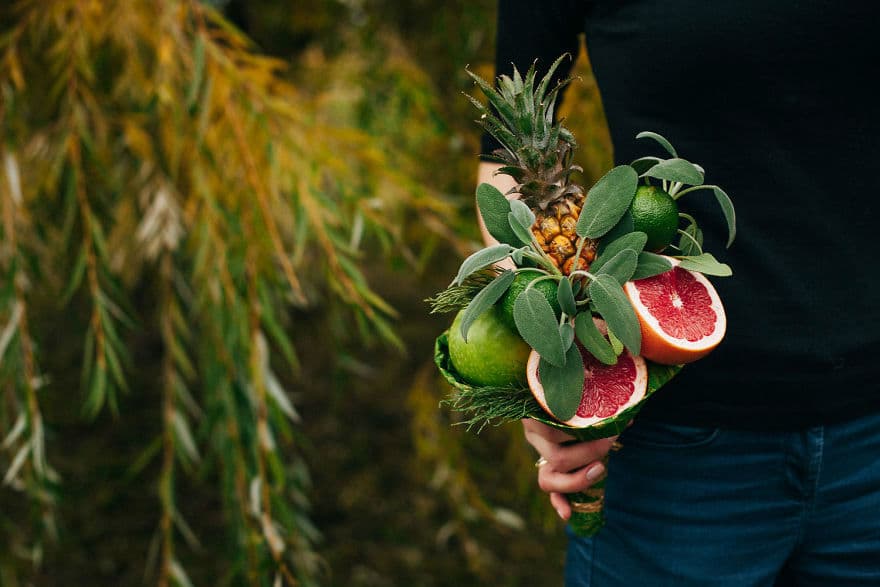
(607, 201)
(484, 300)
(621, 266)
(566, 330)
(563, 385)
(494, 208)
(198, 73)
(691, 241)
(536, 323)
(593, 340)
(614, 307)
(632, 240)
(643, 164)
(706, 264)
(650, 264)
(729, 213)
(678, 170)
(522, 212)
(660, 139)
(565, 297)
(482, 258)
(520, 220)
(616, 345)
(623, 227)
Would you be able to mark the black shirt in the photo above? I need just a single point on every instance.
(774, 99)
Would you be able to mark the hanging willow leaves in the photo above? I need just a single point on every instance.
(175, 191)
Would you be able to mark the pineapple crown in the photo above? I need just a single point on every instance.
(535, 150)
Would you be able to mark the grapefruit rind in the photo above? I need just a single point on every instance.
(660, 347)
(658, 376)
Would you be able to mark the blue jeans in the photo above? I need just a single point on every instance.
(706, 507)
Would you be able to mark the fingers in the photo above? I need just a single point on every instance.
(567, 457)
(554, 481)
(561, 505)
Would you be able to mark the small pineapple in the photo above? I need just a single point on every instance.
(537, 153)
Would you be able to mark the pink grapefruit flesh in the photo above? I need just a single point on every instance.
(608, 389)
(680, 313)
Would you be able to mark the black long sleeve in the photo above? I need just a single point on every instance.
(772, 99)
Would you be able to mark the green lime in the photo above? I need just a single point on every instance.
(493, 356)
(655, 213)
(520, 282)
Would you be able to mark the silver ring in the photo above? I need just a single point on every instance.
(541, 462)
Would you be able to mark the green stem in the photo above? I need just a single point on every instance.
(693, 240)
(692, 189)
(544, 261)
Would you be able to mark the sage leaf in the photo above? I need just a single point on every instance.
(728, 211)
(593, 340)
(706, 264)
(565, 297)
(522, 212)
(650, 264)
(607, 201)
(482, 258)
(624, 226)
(616, 345)
(566, 331)
(494, 208)
(660, 139)
(678, 170)
(484, 300)
(632, 240)
(563, 385)
(643, 164)
(521, 230)
(691, 241)
(621, 266)
(536, 323)
(614, 307)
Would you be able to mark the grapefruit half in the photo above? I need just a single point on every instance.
(680, 314)
(608, 389)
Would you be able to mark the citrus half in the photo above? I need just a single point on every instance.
(680, 313)
(608, 389)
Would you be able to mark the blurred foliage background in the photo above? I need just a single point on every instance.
(220, 221)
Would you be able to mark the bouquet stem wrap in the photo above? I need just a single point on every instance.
(482, 405)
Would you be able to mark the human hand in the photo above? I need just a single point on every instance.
(570, 466)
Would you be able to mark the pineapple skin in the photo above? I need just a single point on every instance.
(554, 230)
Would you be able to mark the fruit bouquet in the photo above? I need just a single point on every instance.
(589, 302)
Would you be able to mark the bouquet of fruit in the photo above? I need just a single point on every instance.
(590, 301)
